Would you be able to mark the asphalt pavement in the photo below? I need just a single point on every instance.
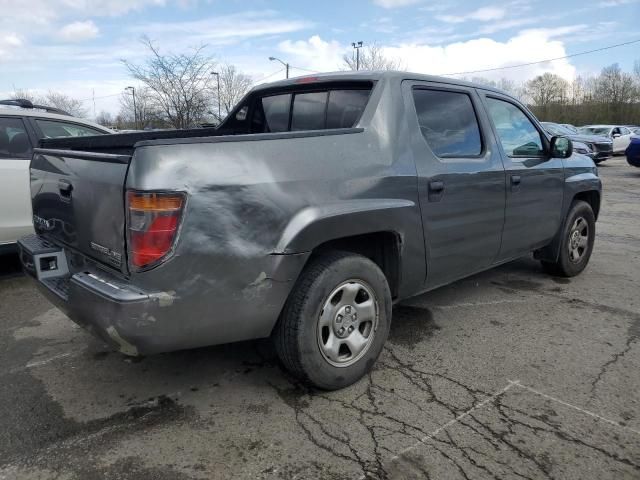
(508, 374)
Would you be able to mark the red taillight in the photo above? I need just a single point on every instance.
(153, 224)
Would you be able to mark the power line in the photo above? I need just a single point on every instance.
(268, 76)
(97, 98)
(304, 69)
(543, 61)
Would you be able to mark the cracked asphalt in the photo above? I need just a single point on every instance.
(507, 374)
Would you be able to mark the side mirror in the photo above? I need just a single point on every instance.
(561, 147)
(615, 135)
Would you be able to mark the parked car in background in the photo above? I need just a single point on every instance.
(596, 147)
(621, 136)
(22, 125)
(318, 203)
(633, 151)
(570, 127)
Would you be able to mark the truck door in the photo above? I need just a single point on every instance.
(535, 180)
(461, 179)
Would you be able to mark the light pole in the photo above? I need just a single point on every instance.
(135, 110)
(286, 65)
(357, 46)
(218, 78)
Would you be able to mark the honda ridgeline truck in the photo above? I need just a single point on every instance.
(317, 204)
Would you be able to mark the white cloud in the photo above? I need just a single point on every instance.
(479, 54)
(485, 53)
(9, 43)
(315, 53)
(223, 29)
(616, 3)
(483, 14)
(43, 11)
(78, 31)
(395, 3)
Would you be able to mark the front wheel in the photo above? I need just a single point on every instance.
(578, 235)
(336, 320)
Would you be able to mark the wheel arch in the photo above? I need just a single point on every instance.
(379, 229)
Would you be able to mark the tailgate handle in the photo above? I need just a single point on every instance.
(65, 188)
(436, 186)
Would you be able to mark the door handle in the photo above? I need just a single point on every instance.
(65, 188)
(436, 186)
(515, 179)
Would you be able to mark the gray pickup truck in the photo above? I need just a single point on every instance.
(315, 206)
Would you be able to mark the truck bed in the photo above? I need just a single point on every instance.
(123, 143)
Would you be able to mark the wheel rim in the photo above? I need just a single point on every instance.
(347, 323)
(578, 240)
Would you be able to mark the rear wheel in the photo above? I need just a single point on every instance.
(577, 241)
(336, 320)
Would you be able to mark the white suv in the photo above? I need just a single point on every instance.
(20, 130)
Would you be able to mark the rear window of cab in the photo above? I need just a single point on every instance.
(296, 109)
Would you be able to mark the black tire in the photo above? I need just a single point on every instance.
(567, 265)
(297, 335)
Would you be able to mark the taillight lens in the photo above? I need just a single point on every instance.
(154, 218)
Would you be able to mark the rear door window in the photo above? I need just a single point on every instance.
(54, 129)
(14, 141)
(448, 122)
(309, 111)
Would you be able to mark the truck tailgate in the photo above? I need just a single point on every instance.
(78, 201)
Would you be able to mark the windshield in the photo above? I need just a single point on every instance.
(555, 129)
(595, 131)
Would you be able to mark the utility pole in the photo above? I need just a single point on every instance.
(357, 46)
(217, 74)
(286, 65)
(135, 110)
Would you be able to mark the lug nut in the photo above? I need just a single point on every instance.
(354, 317)
(341, 331)
(339, 319)
(348, 309)
(351, 329)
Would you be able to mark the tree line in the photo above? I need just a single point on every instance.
(182, 90)
(611, 97)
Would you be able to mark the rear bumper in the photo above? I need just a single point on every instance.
(94, 301)
(139, 322)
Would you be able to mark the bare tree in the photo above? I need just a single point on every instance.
(178, 83)
(105, 119)
(53, 99)
(615, 86)
(372, 58)
(146, 113)
(546, 89)
(233, 86)
(24, 94)
(65, 102)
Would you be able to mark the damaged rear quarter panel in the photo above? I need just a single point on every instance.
(231, 272)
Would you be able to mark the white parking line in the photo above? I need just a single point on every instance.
(579, 409)
(454, 420)
(479, 304)
(39, 363)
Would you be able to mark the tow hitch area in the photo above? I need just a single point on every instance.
(46, 262)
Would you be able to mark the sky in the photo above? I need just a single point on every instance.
(77, 46)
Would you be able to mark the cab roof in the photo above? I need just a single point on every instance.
(371, 75)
